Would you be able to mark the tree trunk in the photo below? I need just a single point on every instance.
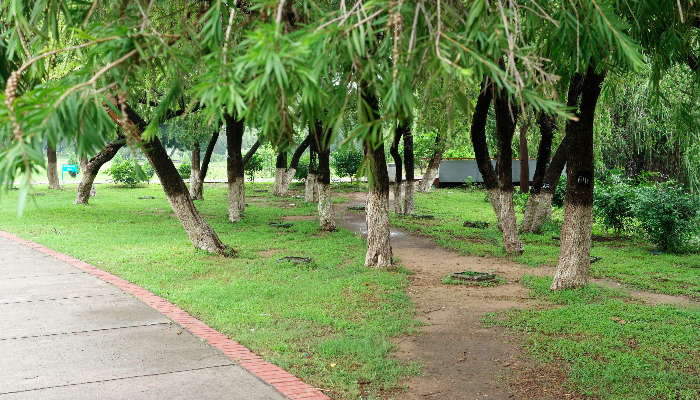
(524, 156)
(198, 230)
(394, 151)
(320, 144)
(280, 173)
(481, 150)
(431, 172)
(409, 165)
(379, 253)
(574, 254)
(92, 166)
(52, 167)
(506, 117)
(325, 206)
(292, 170)
(234, 167)
(195, 174)
(197, 186)
(538, 201)
(310, 189)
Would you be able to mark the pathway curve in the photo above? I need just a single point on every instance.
(65, 334)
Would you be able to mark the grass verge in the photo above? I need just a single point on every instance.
(329, 322)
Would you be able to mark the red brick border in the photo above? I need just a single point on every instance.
(286, 383)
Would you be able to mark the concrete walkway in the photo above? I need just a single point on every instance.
(65, 334)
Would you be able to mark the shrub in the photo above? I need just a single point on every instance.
(668, 215)
(560, 192)
(185, 169)
(613, 201)
(254, 164)
(148, 171)
(125, 172)
(302, 170)
(346, 161)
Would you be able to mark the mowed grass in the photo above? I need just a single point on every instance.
(329, 322)
(609, 346)
(628, 260)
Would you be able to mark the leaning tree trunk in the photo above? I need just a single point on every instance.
(431, 171)
(280, 173)
(481, 150)
(198, 230)
(52, 167)
(535, 209)
(379, 253)
(195, 174)
(574, 254)
(197, 186)
(409, 165)
(524, 157)
(92, 166)
(506, 117)
(292, 170)
(310, 186)
(394, 151)
(234, 167)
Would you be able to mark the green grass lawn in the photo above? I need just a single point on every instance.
(329, 322)
(609, 346)
(627, 260)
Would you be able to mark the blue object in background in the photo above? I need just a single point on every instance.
(69, 168)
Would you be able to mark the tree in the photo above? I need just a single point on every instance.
(51, 167)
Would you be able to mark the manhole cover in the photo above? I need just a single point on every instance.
(146, 197)
(296, 260)
(473, 276)
(281, 224)
(260, 191)
(476, 224)
(356, 208)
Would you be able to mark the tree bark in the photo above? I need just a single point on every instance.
(280, 173)
(574, 254)
(92, 166)
(234, 167)
(198, 230)
(394, 151)
(379, 253)
(481, 150)
(431, 172)
(195, 174)
(409, 165)
(536, 202)
(524, 156)
(311, 187)
(320, 144)
(294, 163)
(52, 167)
(506, 117)
(197, 186)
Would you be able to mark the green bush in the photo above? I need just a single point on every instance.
(302, 170)
(185, 169)
(346, 161)
(126, 172)
(668, 214)
(613, 202)
(148, 171)
(560, 192)
(254, 164)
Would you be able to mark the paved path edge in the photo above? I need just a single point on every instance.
(286, 383)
